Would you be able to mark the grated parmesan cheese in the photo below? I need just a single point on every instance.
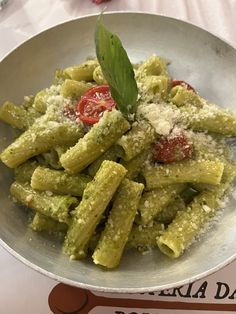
(206, 208)
(161, 116)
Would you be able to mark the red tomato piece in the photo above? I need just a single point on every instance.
(175, 148)
(94, 103)
(184, 84)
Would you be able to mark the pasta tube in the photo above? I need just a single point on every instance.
(40, 100)
(168, 213)
(199, 171)
(40, 138)
(58, 181)
(134, 165)
(101, 136)
(98, 76)
(54, 206)
(136, 140)
(143, 237)
(41, 222)
(156, 85)
(154, 65)
(74, 89)
(222, 123)
(110, 154)
(153, 202)
(16, 116)
(82, 72)
(87, 215)
(180, 96)
(189, 223)
(209, 118)
(111, 244)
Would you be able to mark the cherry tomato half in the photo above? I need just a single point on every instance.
(184, 84)
(172, 149)
(94, 103)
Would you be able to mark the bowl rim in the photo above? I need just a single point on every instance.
(85, 286)
(104, 288)
(111, 13)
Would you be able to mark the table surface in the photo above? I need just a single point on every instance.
(22, 19)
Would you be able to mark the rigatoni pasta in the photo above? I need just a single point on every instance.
(199, 171)
(153, 202)
(136, 140)
(54, 206)
(101, 137)
(189, 223)
(87, 215)
(145, 237)
(74, 89)
(109, 179)
(39, 138)
(82, 72)
(42, 222)
(58, 181)
(111, 244)
(17, 116)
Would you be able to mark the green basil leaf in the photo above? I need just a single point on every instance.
(117, 69)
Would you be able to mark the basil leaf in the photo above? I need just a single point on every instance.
(117, 69)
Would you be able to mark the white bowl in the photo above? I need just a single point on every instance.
(202, 59)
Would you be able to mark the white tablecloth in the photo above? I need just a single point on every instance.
(22, 290)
